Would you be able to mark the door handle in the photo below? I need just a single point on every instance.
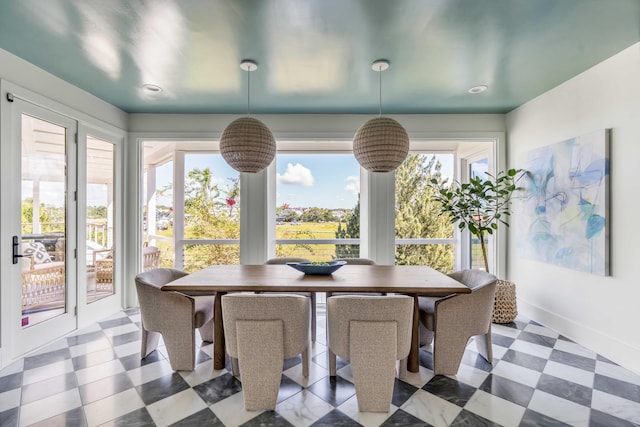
(16, 250)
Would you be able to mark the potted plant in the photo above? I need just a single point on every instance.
(481, 205)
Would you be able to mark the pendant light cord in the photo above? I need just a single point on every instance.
(248, 92)
(380, 92)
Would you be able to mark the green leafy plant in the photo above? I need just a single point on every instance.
(480, 204)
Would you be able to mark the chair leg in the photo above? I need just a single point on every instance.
(181, 349)
(373, 350)
(306, 353)
(260, 353)
(332, 363)
(206, 331)
(483, 342)
(149, 342)
(402, 368)
(235, 368)
(447, 352)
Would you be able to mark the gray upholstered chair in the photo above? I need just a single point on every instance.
(261, 331)
(311, 295)
(450, 321)
(173, 315)
(373, 332)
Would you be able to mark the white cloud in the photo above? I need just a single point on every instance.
(296, 175)
(353, 184)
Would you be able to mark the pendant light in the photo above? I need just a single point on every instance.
(381, 144)
(247, 144)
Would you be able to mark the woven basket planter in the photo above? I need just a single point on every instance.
(505, 308)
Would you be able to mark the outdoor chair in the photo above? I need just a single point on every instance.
(104, 266)
(43, 279)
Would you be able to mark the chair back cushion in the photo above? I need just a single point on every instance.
(37, 251)
(357, 261)
(156, 306)
(473, 278)
(293, 310)
(286, 260)
(343, 309)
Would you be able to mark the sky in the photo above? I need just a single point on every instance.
(303, 180)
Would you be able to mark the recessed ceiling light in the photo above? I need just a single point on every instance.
(152, 88)
(478, 89)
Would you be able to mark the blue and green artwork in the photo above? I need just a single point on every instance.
(562, 215)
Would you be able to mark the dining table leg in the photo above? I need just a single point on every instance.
(219, 353)
(413, 361)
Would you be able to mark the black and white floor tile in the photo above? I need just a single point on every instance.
(96, 378)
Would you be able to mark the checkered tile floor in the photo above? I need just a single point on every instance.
(95, 378)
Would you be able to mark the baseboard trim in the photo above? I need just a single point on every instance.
(613, 349)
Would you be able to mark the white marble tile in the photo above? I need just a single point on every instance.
(569, 373)
(231, 411)
(318, 348)
(118, 315)
(121, 329)
(94, 327)
(516, 373)
(499, 351)
(112, 407)
(617, 372)
(56, 345)
(316, 373)
(150, 372)
(420, 378)
(136, 318)
(505, 330)
(367, 419)
(176, 407)
(201, 373)
(616, 406)
(14, 368)
(574, 348)
(48, 371)
(470, 375)
(91, 347)
(98, 372)
(494, 408)
(303, 409)
(541, 330)
(10, 399)
(531, 348)
(49, 407)
(431, 408)
(346, 373)
(127, 349)
(563, 410)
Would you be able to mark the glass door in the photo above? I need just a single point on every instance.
(44, 238)
(98, 225)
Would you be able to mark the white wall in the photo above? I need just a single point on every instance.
(602, 313)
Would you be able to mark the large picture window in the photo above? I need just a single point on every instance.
(317, 206)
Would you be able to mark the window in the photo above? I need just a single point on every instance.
(205, 230)
(317, 206)
(423, 236)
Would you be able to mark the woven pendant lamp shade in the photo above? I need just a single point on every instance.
(247, 145)
(381, 145)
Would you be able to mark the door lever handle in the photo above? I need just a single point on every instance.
(16, 250)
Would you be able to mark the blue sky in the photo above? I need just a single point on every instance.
(303, 180)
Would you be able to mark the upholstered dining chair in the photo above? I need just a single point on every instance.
(311, 295)
(261, 330)
(350, 261)
(450, 321)
(373, 332)
(173, 315)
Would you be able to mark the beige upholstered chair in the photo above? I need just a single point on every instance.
(173, 315)
(261, 331)
(350, 261)
(311, 295)
(450, 321)
(372, 332)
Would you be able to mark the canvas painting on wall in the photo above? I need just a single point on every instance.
(562, 215)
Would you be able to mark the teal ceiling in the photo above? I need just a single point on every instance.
(315, 56)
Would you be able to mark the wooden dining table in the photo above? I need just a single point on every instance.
(410, 280)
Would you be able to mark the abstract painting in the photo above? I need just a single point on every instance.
(561, 216)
